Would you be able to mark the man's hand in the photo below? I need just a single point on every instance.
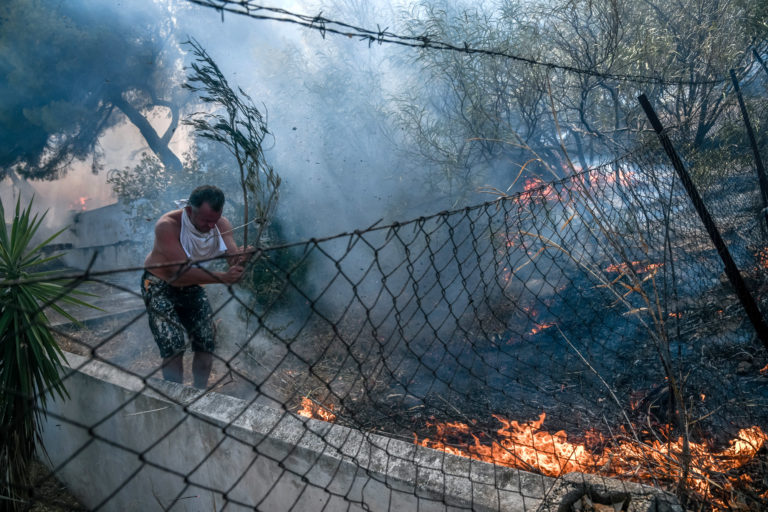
(242, 256)
(248, 253)
(233, 275)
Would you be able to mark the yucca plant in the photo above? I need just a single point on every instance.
(30, 358)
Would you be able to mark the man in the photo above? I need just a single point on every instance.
(172, 293)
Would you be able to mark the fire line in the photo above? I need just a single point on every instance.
(525, 446)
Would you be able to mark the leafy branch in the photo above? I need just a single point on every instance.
(240, 126)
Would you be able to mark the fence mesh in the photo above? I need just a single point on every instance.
(572, 346)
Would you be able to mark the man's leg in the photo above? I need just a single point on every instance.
(197, 317)
(173, 368)
(201, 368)
(165, 325)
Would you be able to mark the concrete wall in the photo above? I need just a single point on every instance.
(125, 254)
(108, 232)
(123, 444)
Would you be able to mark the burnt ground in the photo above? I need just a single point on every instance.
(722, 358)
(721, 366)
(50, 495)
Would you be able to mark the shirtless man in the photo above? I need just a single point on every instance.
(173, 296)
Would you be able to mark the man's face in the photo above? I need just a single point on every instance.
(204, 218)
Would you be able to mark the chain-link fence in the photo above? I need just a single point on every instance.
(573, 346)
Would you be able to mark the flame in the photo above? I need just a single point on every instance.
(526, 446)
(762, 257)
(625, 178)
(520, 445)
(567, 168)
(540, 327)
(639, 268)
(538, 187)
(80, 203)
(311, 409)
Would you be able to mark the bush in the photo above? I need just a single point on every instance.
(30, 359)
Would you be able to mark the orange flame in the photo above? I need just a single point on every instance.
(762, 257)
(311, 409)
(80, 203)
(622, 268)
(540, 188)
(625, 178)
(525, 446)
(540, 327)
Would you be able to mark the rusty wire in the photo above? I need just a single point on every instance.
(324, 25)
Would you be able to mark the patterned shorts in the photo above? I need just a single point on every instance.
(172, 310)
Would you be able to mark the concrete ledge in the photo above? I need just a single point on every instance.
(123, 443)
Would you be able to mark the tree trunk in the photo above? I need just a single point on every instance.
(156, 144)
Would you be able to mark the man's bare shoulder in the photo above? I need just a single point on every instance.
(167, 246)
(169, 221)
(223, 224)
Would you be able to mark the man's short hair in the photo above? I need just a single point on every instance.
(207, 194)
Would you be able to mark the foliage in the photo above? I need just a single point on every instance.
(146, 189)
(71, 70)
(276, 274)
(30, 359)
(473, 116)
(149, 189)
(140, 188)
(241, 128)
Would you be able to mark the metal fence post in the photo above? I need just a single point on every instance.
(731, 270)
(753, 142)
(760, 60)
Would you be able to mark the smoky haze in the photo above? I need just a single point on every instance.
(343, 159)
(327, 102)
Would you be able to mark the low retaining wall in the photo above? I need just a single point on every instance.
(120, 443)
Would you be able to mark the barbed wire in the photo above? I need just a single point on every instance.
(324, 25)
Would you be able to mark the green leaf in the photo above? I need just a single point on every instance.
(31, 359)
(38, 248)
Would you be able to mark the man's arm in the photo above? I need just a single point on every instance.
(167, 243)
(236, 257)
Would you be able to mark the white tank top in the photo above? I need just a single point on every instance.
(199, 245)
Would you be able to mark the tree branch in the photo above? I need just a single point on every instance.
(158, 145)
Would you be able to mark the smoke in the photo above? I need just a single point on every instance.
(328, 102)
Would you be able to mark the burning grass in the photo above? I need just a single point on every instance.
(715, 478)
(312, 409)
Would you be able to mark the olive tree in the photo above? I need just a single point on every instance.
(71, 70)
(475, 112)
